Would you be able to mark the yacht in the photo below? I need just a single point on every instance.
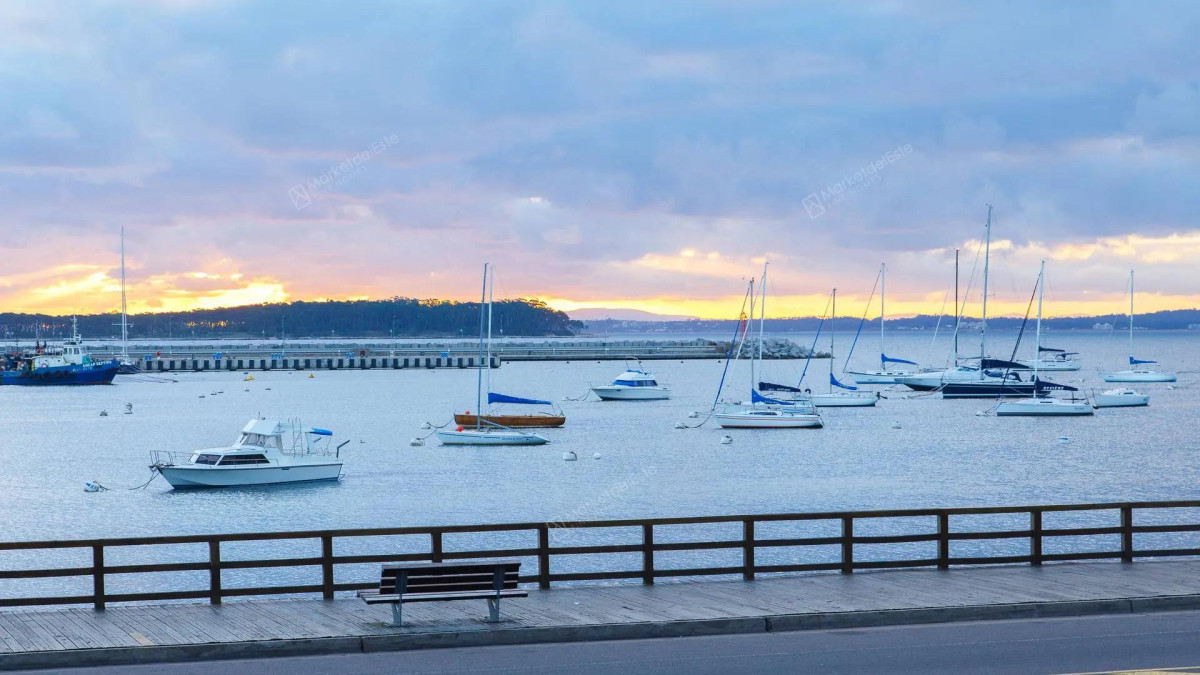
(1043, 407)
(259, 456)
(634, 384)
(1139, 369)
(765, 413)
(1120, 398)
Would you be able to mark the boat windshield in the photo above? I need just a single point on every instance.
(206, 459)
(258, 440)
(635, 383)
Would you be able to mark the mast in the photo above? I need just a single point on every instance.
(957, 317)
(124, 313)
(987, 251)
(1038, 356)
(882, 309)
(749, 328)
(479, 382)
(832, 330)
(1131, 317)
(487, 363)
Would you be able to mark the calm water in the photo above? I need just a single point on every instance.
(943, 454)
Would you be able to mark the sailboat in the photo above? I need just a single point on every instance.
(1038, 405)
(884, 375)
(128, 365)
(933, 379)
(993, 378)
(763, 412)
(485, 429)
(1137, 372)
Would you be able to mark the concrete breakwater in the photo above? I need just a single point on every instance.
(367, 354)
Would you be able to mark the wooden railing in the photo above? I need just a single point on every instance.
(939, 535)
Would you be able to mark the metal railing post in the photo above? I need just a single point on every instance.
(544, 556)
(1127, 534)
(647, 554)
(1035, 537)
(327, 566)
(847, 544)
(943, 541)
(214, 571)
(98, 578)
(748, 549)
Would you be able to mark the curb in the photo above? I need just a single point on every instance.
(120, 656)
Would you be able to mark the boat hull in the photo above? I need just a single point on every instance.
(1060, 366)
(845, 400)
(1043, 407)
(988, 390)
(473, 437)
(616, 393)
(1138, 376)
(747, 421)
(59, 376)
(215, 477)
(878, 378)
(514, 421)
(1126, 400)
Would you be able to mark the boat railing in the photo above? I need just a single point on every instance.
(159, 458)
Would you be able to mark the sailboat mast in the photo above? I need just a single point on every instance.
(762, 312)
(882, 309)
(1038, 355)
(479, 382)
(957, 317)
(1131, 317)
(749, 328)
(832, 330)
(987, 252)
(124, 313)
(488, 361)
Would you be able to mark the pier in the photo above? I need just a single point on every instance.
(848, 588)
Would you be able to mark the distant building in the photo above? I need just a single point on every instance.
(1102, 326)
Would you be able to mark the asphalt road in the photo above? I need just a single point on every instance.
(1069, 645)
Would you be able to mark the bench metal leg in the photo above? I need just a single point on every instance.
(396, 613)
(493, 610)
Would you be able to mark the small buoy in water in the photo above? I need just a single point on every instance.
(201, 395)
(311, 376)
(595, 455)
(693, 415)
(569, 456)
(268, 389)
(247, 388)
(896, 424)
(416, 441)
(726, 440)
(458, 428)
(980, 413)
(92, 486)
(680, 425)
(128, 408)
(104, 413)
(426, 425)
(1063, 439)
(1170, 386)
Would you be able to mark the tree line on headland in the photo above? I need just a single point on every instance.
(398, 317)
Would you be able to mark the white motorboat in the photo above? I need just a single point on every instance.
(634, 384)
(1064, 361)
(1120, 398)
(762, 416)
(463, 436)
(258, 457)
(1043, 407)
(1140, 370)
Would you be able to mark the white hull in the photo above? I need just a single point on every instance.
(619, 393)
(1120, 398)
(1059, 366)
(236, 476)
(845, 399)
(879, 377)
(483, 437)
(758, 420)
(1043, 407)
(1138, 376)
(936, 378)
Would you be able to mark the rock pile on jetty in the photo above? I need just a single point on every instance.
(776, 348)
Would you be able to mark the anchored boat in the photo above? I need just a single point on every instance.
(1139, 369)
(634, 384)
(259, 456)
(68, 364)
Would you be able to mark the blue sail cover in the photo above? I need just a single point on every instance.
(756, 397)
(502, 398)
(1051, 349)
(1042, 385)
(887, 359)
(834, 382)
(1135, 362)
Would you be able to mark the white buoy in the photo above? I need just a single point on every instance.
(980, 413)
(693, 415)
(128, 408)
(1064, 439)
(417, 441)
(426, 425)
(595, 455)
(680, 425)
(1170, 386)
(896, 424)
(569, 456)
(726, 440)
(247, 388)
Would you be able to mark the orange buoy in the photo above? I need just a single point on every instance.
(460, 427)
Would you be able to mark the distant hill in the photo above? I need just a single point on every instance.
(1178, 319)
(624, 314)
(402, 317)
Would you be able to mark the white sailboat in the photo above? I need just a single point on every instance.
(128, 365)
(1042, 406)
(1121, 397)
(884, 375)
(762, 412)
(484, 431)
(850, 397)
(1139, 370)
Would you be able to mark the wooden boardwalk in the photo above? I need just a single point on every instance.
(50, 637)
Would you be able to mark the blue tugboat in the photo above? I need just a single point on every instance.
(68, 364)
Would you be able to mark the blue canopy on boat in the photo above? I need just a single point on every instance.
(834, 382)
(1135, 362)
(887, 359)
(493, 397)
(320, 432)
(756, 397)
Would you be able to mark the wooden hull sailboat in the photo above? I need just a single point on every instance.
(521, 421)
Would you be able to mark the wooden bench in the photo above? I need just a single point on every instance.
(441, 582)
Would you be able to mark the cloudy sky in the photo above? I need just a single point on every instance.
(647, 155)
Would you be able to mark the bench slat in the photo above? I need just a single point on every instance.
(454, 568)
(377, 598)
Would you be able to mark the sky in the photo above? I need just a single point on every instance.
(642, 155)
